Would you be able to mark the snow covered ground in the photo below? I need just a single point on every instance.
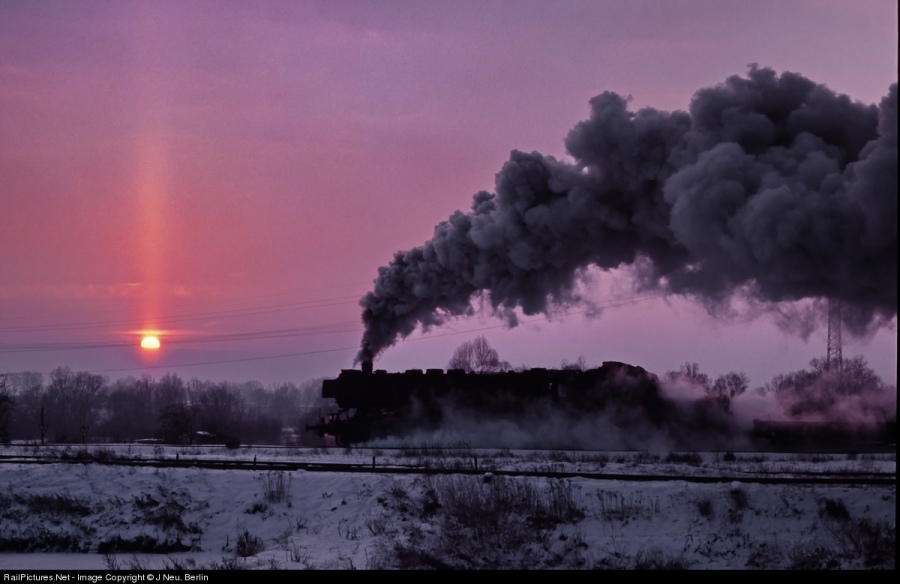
(87, 515)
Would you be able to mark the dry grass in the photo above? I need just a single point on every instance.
(477, 522)
(277, 487)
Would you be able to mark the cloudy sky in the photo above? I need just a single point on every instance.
(231, 175)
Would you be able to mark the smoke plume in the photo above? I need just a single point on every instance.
(771, 187)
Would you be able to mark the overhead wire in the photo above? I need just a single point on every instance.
(334, 328)
(323, 329)
(237, 312)
(187, 302)
(194, 316)
(608, 301)
(633, 300)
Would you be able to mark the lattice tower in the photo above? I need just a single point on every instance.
(834, 359)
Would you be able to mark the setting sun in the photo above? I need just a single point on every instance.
(150, 343)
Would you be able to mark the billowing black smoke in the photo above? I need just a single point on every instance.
(772, 187)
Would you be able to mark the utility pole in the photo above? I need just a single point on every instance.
(43, 427)
(834, 359)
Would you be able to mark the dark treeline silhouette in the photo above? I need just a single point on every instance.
(849, 393)
(852, 392)
(725, 387)
(71, 407)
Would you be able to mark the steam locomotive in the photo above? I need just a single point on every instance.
(377, 404)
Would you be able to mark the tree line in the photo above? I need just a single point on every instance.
(71, 407)
(821, 392)
(66, 406)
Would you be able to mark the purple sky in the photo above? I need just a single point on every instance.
(232, 174)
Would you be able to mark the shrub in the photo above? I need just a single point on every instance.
(474, 504)
(739, 497)
(619, 507)
(167, 511)
(833, 509)
(877, 541)
(765, 556)
(705, 508)
(141, 544)
(812, 557)
(656, 559)
(871, 542)
(248, 545)
(642, 458)
(497, 524)
(58, 504)
(42, 540)
(276, 488)
(257, 507)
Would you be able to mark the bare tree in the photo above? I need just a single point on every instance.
(73, 401)
(477, 356)
(690, 372)
(27, 389)
(176, 423)
(220, 409)
(731, 384)
(578, 365)
(833, 392)
(128, 411)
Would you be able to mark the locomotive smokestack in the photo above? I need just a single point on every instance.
(364, 358)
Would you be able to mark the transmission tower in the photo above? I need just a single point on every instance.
(834, 359)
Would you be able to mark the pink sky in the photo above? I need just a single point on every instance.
(240, 170)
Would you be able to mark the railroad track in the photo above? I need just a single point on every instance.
(787, 478)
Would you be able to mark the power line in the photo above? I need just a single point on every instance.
(328, 328)
(240, 360)
(229, 313)
(340, 327)
(237, 312)
(633, 300)
(182, 302)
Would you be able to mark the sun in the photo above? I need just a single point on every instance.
(150, 343)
